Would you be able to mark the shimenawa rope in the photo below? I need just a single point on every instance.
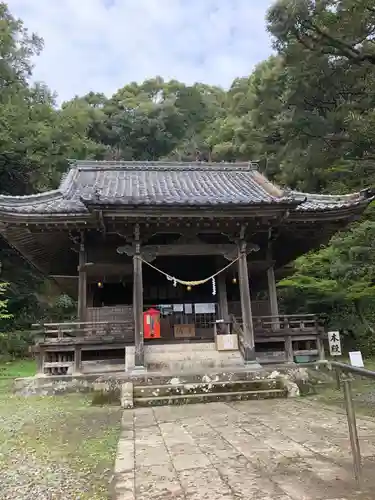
(190, 283)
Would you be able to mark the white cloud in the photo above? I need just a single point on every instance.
(101, 45)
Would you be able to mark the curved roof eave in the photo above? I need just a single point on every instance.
(89, 184)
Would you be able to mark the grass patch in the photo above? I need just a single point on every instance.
(54, 446)
(18, 368)
(111, 397)
(363, 390)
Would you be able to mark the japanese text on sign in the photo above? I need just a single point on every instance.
(334, 342)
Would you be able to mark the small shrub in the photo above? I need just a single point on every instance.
(15, 344)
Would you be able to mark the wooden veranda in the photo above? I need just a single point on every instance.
(60, 346)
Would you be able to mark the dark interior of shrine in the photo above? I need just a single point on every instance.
(157, 288)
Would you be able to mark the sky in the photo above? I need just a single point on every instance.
(101, 45)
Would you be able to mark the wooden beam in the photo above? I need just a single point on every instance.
(185, 250)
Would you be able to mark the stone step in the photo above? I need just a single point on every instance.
(210, 397)
(230, 374)
(193, 365)
(167, 390)
(181, 347)
(223, 356)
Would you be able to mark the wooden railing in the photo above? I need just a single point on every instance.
(292, 323)
(59, 346)
(286, 329)
(85, 331)
(236, 328)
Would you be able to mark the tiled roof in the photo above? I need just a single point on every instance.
(168, 184)
(319, 202)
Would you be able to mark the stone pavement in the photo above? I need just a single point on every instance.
(251, 450)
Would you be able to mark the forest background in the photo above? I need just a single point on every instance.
(306, 115)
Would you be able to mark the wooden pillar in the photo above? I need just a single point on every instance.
(272, 293)
(223, 299)
(82, 281)
(138, 303)
(77, 359)
(40, 361)
(320, 347)
(247, 319)
(289, 354)
(90, 297)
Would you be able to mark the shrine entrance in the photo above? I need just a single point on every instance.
(188, 312)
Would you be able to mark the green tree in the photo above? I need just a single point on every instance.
(339, 280)
(3, 303)
(329, 100)
(337, 28)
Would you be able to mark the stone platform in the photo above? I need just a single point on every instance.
(287, 378)
(263, 450)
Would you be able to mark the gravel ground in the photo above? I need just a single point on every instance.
(56, 447)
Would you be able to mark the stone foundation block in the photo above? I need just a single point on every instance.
(127, 395)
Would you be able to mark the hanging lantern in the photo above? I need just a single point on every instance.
(188, 288)
(234, 280)
(100, 284)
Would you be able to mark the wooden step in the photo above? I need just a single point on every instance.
(210, 397)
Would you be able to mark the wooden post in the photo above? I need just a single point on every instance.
(320, 347)
(353, 431)
(77, 360)
(273, 298)
(138, 303)
(223, 299)
(289, 354)
(247, 320)
(40, 361)
(82, 281)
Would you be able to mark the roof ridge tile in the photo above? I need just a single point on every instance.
(162, 165)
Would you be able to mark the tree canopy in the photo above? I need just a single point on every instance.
(306, 114)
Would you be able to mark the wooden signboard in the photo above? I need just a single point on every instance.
(334, 342)
(184, 331)
(227, 342)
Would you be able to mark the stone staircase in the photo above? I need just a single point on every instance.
(238, 386)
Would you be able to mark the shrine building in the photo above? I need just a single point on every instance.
(167, 258)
